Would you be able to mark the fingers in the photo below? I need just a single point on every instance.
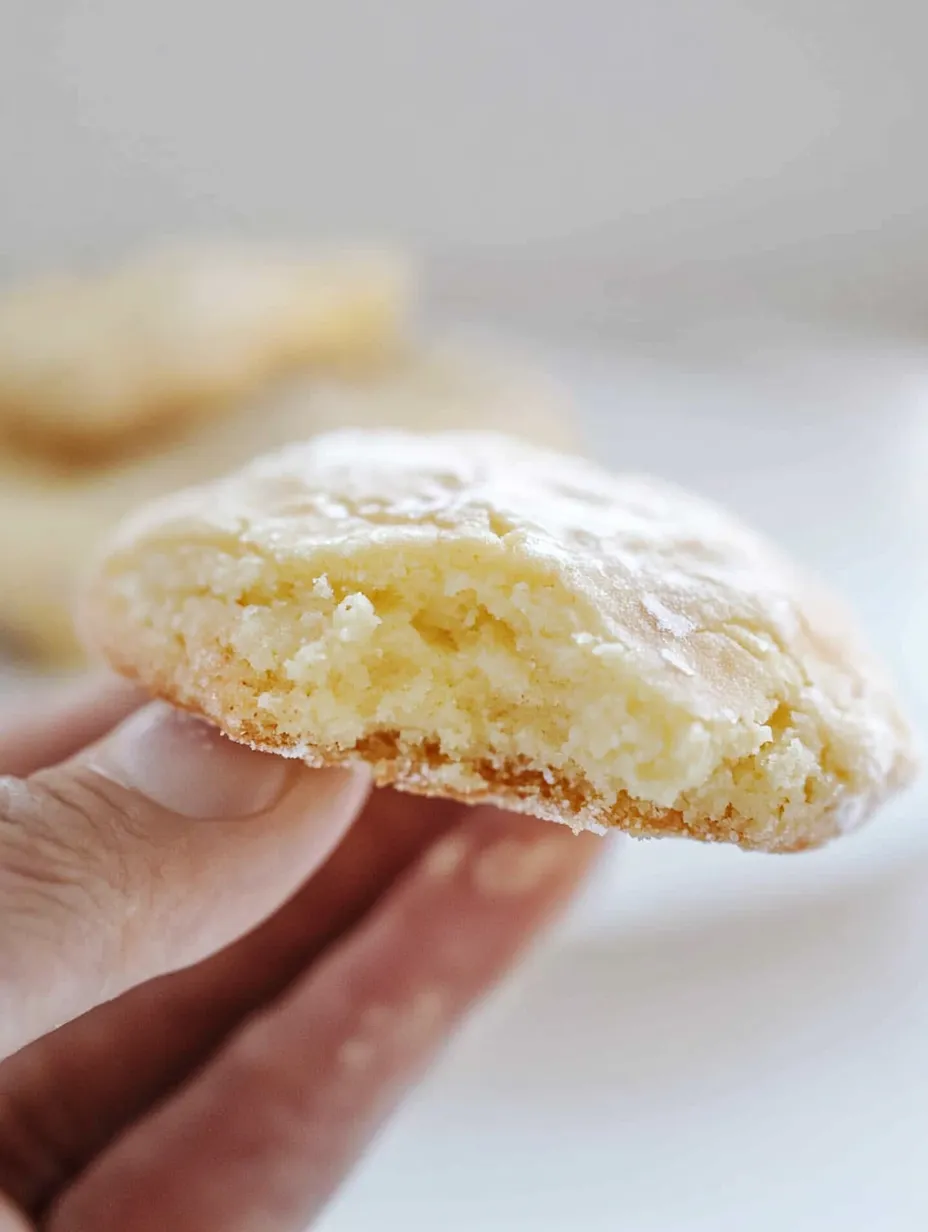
(145, 853)
(262, 1137)
(66, 1096)
(11, 1220)
(40, 732)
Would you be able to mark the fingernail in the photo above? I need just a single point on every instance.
(184, 765)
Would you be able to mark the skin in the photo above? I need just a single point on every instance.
(220, 972)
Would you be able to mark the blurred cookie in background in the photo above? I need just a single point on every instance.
(444, 383)
(51, 518)
(93, 364)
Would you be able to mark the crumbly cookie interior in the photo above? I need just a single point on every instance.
(459, 653)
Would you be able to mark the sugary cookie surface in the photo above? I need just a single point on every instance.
(480, 618)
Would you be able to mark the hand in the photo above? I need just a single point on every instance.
(251, 960)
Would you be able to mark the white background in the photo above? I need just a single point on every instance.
(582, 162)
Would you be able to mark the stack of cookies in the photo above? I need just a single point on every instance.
(125, 384)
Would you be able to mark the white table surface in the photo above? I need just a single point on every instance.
(716, 1042)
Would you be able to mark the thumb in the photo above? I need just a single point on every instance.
(145, 853)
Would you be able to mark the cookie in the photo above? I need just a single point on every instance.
(453, 383)
(89, 363)
(482, 619)
(52, 518)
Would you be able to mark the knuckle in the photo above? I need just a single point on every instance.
(62, 863)
(66, 829)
